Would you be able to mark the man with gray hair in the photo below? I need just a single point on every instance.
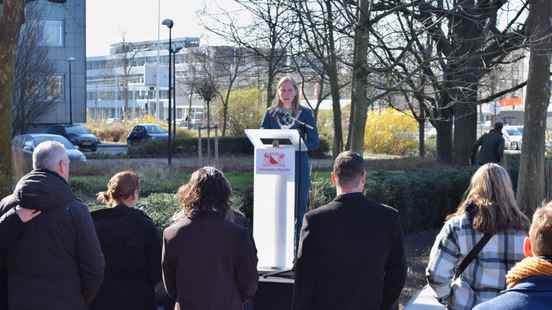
(56, 262)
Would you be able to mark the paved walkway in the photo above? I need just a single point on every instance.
(424, 300)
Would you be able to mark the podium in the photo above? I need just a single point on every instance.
(274, 196)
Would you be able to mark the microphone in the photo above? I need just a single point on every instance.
(281, 112)
(284, 116)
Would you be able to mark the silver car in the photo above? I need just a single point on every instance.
(24, 145)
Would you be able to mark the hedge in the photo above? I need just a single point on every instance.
(423, 197)
(189, 146)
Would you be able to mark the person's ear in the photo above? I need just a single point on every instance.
(527, 248)
(332, 178)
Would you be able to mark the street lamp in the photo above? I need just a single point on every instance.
(169, 24)
(69, 61)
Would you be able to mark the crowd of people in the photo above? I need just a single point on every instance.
(55, 254)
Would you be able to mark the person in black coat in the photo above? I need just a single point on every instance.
(11, 227)
(56, 262)
(131, 245)
(209, 260)
(351, 253)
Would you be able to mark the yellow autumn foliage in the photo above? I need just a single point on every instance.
(390, 132)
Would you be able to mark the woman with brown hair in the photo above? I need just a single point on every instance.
(131, 245)
(489, 211)
(208, 261)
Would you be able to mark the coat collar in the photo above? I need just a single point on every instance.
(349, 196)
(533, 284)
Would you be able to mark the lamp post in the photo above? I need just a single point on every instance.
(174, 52)
(169, 24)
(69, 61)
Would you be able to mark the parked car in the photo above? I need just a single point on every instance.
(24, 145)
(77, 134)
(512, 137)
(146, 132)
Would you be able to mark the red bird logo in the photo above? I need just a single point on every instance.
(274, 159)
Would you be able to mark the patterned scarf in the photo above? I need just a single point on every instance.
(529, 266)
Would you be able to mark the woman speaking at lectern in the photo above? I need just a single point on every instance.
(283, 115)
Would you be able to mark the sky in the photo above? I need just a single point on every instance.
(107, 21)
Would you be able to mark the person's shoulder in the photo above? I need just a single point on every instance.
(306, 111)
(506, 301)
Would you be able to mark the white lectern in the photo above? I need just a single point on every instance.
(274, 195)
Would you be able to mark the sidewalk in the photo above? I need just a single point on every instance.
(424, 300)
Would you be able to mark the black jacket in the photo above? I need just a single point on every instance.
(132, 248)
(491, 148)
(56, 262)
(209, 263)
(11, 228)
(351, 256)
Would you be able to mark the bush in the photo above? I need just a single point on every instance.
(245, 110)
(423, 197)
(390, 132)
(188, 146)
(323, 150)
(118, 131)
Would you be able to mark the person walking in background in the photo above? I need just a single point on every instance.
(490, 146)
(209, 262)
(351, 252)
(530, 281)
(489, 211)
(277, 117)
(132, 247)
(57, 263)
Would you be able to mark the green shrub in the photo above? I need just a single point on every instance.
(423, 197)
(189, 146)
(323, 150)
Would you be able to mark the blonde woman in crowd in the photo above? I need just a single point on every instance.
(488, 209)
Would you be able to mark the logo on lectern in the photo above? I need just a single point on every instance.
(274, 159)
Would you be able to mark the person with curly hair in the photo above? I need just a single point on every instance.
(208, 261)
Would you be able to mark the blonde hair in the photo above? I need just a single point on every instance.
(540, 233)
(121, 186)
(295, 103)
(490, 191)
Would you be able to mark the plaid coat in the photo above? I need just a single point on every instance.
(484, 278)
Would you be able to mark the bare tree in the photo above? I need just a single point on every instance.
(10, 23)
(266, 37)
(36, 86)
(530, 194)
(207, 89)
(126, 53)
(318, 49)
(225, 67)
(466, 42)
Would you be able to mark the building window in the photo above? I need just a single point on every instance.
(55, 87)
(52, 33)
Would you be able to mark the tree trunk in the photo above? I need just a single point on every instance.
(530, 191)
(421, 136)
(270, 81)
(465, 124)
(444, 140)
(465, 66)
(10, 23)
(337, 146)
(359, 106)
